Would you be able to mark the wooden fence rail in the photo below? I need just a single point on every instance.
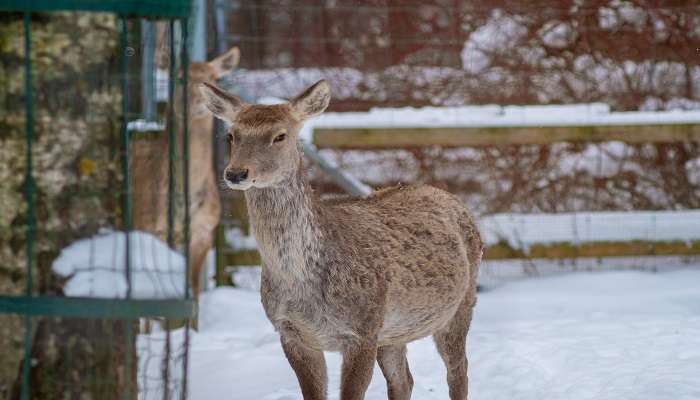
(550, 251)
(385, 138)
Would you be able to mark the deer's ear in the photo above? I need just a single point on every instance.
(312, 101)
(223, 105)
(226, 62)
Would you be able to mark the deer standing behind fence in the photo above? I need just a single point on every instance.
(362, 277)
(149, 171)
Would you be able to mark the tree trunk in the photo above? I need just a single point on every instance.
(76, 168)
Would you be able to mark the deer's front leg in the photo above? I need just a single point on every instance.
(309, 366)
(358, 363)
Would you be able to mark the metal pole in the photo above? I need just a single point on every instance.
(199, 53)
(171, 136)
(126, 201)
(220, 25)
(172, 76)
(346, 181)
(148, 91)
(221, 38)
(199, 39)
(219, 157)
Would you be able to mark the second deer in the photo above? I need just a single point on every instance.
(149, 170)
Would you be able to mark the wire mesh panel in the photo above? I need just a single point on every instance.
(90, 306)
(511, 101)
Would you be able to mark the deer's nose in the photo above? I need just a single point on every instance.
(236, 175)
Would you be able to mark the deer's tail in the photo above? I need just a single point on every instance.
(475, 250)
(472, 239)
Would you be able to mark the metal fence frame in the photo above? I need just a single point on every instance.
(30, 304)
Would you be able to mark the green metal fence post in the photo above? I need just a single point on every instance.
(126, 187)
(171, 136)
(29, 193)
(186, 149)
(126, 203)
(172, 76)
(186, 187)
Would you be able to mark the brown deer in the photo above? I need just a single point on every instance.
(362, 277)
(149, 170)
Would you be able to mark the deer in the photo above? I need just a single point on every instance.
(149, 170)
(359, 276)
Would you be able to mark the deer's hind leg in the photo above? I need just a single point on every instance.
(451, 344)
(356, 371)
(309, 366)
(200, 243)
(394, 365)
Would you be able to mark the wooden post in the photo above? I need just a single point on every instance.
(220, 242)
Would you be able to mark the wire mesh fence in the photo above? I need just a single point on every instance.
(96, 262)
(478, 59)
(90, 306)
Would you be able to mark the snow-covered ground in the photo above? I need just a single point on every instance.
(526, 229)
(96, 267)
(607, 335)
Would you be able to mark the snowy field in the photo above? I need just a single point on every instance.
(608, 335)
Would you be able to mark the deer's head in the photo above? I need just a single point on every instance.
(263, 138)
(210, 71)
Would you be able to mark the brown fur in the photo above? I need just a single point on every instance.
(362, 277)
(149, 171)
(257, 115)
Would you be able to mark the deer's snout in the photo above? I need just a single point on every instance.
(236, 176)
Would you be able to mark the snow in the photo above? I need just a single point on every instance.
(588, 78)
(611, 335)
(95, 267)
(141, 125)
(496, 273)
(596, 114)
(526, 229)
(586, 114)
(238, 240)
(593, 114)
(499, 33)
(522, 230)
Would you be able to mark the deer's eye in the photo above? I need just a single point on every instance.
(279, 138)
(229, 138)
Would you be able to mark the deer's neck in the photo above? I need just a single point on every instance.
(200, 137)
(285, 222)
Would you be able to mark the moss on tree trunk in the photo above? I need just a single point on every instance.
(76, 167)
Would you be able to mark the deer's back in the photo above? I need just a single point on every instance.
(418, 243)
